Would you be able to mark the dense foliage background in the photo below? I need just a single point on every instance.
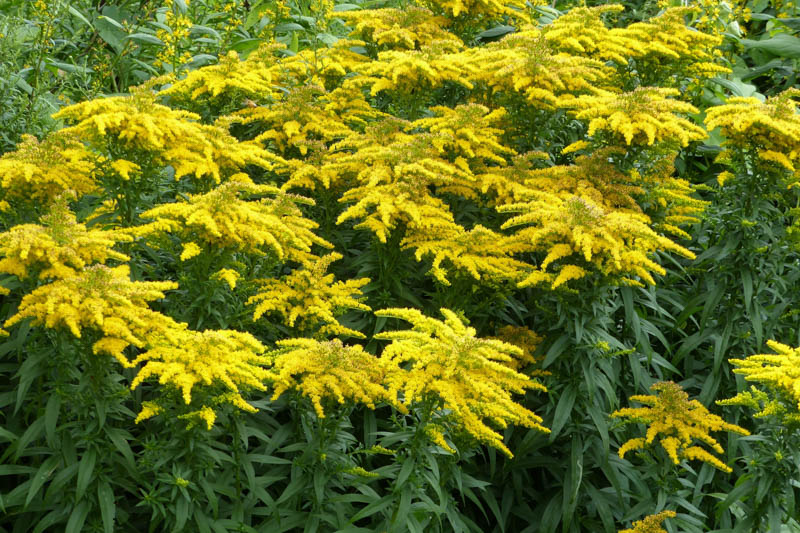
(455, 265)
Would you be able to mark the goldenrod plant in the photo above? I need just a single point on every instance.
(677, 422)
(327, 266)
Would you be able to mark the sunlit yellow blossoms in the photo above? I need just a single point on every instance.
(40, 171)
(310, 298)
(231, 77)
(224, 362)
(479, 252)
(223, 218)
(474, 8)
(678, 423)
(405, 71)
(526, 63)
(669, 49)
(58, 248)
(174, 137)
(575, 232)
(327, 370)
(645, 115)
(770, 128)
(101, 299)
(651, 523)
(778, 374)
(410, 27)
(445, 363)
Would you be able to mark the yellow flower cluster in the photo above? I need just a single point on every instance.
(139, 124)
(469, 377)
(474, 9)
(103, 300)
(770, 128)
(527, 63)
(312, 296)
(410, 28)
(306, 114)
(577, 229)
(678, 423)
(39, 172)
(231, 78)
(644, 115)
(669, 48)
(480, 252)
(779, 374)
(327, 370)
(581, 31)
(223, 218)
(409, 71)
(465, 134)
(651, 523)
(57, 248)
(224, 360)
(176, 30)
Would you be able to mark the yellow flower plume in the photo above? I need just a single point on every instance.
(224, 218)
(678, 423)
(59, 247)
(101, 299)
(223, 362)
(443, 361)
(651, 523)
(310, 298)
(40, 171)
(327, 370)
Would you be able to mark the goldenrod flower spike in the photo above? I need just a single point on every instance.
(306, 114)
(672, 47)
(224, 218)
(405, 71)
(57, 248)
(40, 171)
(467, 376)
(310, 298)
(582, 32)
(770, 128)
(678, 423)
(491, 9)
(651, 523)
(576, 232)
(646, 115)
(389, 28)
(222, 362)
(526, 63)
(102, 299)
(479, 252)
(173, 137)
(778, 373)
(231, 78)
(327, 370)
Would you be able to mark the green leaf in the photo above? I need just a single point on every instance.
(497, 31)
(43, 474)
(77, 14)
(77, 518)
(181, 513)
(563, 410)
(782, 44)
(85, 471)
(288, 26)
(108, 509)
(51, 413)
(144, 38)
(33, 432)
